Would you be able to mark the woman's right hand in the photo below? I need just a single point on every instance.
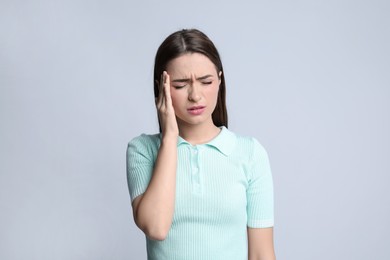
(166, 112)
(153, 210)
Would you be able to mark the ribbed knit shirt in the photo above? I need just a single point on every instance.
(222, 187)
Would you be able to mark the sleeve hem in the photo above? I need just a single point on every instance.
(136, 194)
(267, 223)
(133, 197)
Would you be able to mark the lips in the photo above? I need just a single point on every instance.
(196, 110)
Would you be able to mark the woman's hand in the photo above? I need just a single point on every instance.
(166, 112)
(153, 210)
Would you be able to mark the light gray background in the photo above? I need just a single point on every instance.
(309, 79)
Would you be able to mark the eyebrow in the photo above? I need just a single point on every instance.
(187, 80)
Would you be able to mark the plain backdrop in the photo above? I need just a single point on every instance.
(309, 79)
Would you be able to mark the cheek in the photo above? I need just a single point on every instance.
(212, 93)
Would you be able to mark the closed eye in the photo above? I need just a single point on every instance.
(207, 82)
(179, 86)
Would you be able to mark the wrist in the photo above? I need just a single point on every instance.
(169, 139)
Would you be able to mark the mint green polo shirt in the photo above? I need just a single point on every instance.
(222, 187)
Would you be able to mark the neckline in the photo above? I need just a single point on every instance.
(181, 140)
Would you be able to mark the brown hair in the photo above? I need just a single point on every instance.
(191, 41)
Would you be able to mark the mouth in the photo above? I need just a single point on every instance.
(196, 110)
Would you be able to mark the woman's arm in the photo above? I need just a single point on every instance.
(153, 210)
(261, 244)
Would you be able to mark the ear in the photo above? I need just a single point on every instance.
(219, 77)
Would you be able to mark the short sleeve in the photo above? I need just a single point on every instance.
(260, 199)
(140, 162)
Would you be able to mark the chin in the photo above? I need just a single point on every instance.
(192, 121)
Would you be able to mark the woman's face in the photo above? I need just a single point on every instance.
(194, 88)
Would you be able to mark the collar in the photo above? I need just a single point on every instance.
(224, 142)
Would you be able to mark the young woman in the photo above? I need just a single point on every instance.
(198, 190)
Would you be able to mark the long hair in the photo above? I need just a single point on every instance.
(191, 41)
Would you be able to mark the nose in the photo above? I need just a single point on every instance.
(194, 94)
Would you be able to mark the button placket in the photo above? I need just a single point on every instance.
(195, 170)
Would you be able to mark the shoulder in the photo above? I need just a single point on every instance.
(145, 139)
(248, 145)
(253, 156)
(146, 143)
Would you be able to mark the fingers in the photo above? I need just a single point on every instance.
(161, 96)
(163, 89)
(164, 98)
(165, 109)
(167, 88)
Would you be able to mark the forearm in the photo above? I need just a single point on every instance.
(264, 254)
(155, 210)
(260, 244)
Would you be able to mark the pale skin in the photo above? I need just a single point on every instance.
(190, 81)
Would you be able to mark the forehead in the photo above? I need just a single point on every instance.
(191, 64)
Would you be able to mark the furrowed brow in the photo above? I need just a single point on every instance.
(188, 80)
(181, 80)
(204, 77)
